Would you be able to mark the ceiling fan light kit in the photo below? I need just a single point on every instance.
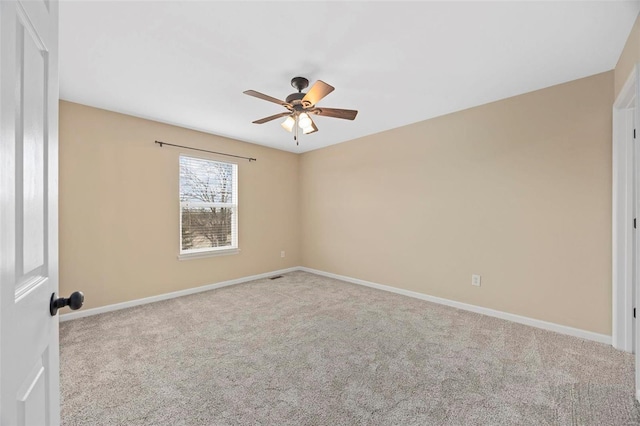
(288, 123)
(304, 120)
(301, 105)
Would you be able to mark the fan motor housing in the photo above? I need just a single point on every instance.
(292, 98)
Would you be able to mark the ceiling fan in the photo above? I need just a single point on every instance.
(301, 105)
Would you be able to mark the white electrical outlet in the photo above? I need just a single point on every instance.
(475, 280)
(282, 253)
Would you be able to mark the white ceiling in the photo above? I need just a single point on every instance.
(187, 63)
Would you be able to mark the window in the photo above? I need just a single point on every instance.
(208, 207)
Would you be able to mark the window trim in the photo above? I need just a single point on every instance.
(200, 253)
(207, 253)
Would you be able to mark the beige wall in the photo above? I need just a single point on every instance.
(518, 191)
(629, 57)
(119, 208)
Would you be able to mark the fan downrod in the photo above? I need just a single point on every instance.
(299, 83)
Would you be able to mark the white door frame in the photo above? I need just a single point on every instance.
(624, 109)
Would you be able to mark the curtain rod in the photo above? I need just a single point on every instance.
(204, 150)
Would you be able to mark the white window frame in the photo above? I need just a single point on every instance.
(210, 251)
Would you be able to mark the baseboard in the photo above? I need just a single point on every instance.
(562, 329)
(144, 301)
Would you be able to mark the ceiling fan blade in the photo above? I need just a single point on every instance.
(264, 97)
(271, 117)
(347, 114)
(319, 90)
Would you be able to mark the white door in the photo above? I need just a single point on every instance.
(29, 360)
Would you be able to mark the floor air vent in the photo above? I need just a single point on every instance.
(276, 277)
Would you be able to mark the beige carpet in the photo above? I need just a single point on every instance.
(308, 350)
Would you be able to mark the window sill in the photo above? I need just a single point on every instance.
(203, 254)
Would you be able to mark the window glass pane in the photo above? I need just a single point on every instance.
(206, 181)
(206, 227)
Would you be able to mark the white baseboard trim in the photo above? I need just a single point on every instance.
(562, 329)
(165, 296)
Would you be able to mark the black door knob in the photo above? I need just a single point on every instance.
(74, 302)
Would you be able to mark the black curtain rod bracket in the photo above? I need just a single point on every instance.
(204, 150)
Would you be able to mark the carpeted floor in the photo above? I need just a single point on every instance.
(309, 350)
